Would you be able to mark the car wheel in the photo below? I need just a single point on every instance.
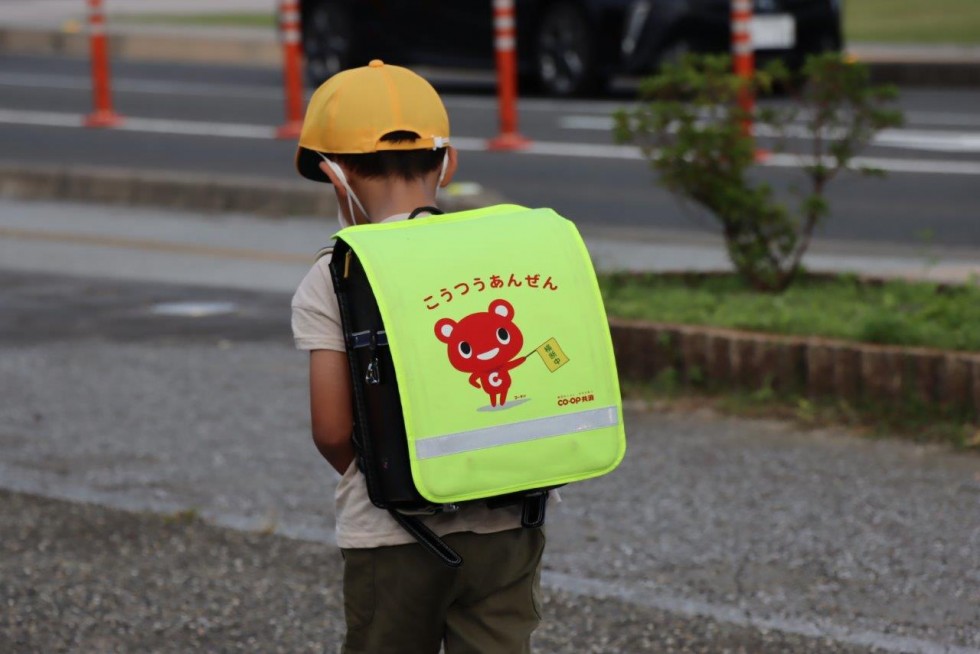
(565, 52)
(326, 41)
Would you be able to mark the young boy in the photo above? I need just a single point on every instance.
(380, 135)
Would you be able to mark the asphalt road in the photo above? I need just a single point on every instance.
(715, 534)
(177, 113)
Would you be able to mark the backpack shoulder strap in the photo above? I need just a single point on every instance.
(435, 211)
(324, 251)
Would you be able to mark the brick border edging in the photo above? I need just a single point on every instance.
(945, 381)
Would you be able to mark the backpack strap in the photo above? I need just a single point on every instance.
(324, 251)
(533, 510)
(435, 211)
(427, 539)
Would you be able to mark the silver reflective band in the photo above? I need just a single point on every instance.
(518, 432)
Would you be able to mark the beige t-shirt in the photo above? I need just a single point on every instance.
(317, 326)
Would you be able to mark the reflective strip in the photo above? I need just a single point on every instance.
(504, 23)
(503, 5)
(291, 37)
(518, 432)
(505, 43)
(742, 48)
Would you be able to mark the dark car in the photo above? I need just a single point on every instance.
(567, 47)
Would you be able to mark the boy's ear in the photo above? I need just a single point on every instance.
(332, 174)
(451, 167)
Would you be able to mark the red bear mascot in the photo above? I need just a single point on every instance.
(484, 344)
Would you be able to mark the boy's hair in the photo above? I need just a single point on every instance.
(402, 164)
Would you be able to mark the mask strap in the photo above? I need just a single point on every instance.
(445, 167)
(352, 199)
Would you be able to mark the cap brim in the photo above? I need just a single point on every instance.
(308, 165)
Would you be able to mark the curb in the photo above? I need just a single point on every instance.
(205, 46)
(190, 191)
(947, 382)
(251, 48)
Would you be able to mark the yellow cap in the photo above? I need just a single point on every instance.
(352, 110)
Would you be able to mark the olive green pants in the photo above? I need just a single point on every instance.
(403, 599)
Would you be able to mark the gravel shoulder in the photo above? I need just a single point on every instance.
(83, 578)
(715, 535)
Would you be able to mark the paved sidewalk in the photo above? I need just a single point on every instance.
(246, 252)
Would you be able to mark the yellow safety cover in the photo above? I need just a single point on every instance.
(501, 348)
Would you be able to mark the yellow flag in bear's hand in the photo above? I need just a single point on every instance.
(552, 355)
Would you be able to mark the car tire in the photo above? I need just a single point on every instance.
(564, 52)
(327, 39)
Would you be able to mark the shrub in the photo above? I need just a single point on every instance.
(692, 130)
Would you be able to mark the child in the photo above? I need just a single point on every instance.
(380, 135)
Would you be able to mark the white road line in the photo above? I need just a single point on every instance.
(598, 109)
(638, 594)
(537, 148)
(914, 139)
(641, 595)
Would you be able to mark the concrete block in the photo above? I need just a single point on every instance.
(820, 380)
(787, 365)
(920, 371)
(718, 359)
(953, 388)
(694, 354)
(881, 374)
(975, 387)
(662, 350)
(626, 345)
(745, 355)
(847, 372)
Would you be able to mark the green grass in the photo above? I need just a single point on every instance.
(912, 21)
(242, 19)
(897, 313)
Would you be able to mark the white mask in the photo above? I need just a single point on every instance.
(352, 199)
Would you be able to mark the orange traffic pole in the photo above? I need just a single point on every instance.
(292, 75)
(505, 45)
(743, 51)
(103, 115)
(744, 55)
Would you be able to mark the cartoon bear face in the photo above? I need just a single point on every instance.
(482, 341)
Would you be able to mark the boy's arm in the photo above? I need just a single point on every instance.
(330, 407)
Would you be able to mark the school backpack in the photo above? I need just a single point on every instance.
(481, 361)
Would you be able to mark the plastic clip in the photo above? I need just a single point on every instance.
(373, 374)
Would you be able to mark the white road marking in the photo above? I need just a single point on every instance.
(537, 148)
(914, 139)
(598, 109)
(638, 593)
(642, 595)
